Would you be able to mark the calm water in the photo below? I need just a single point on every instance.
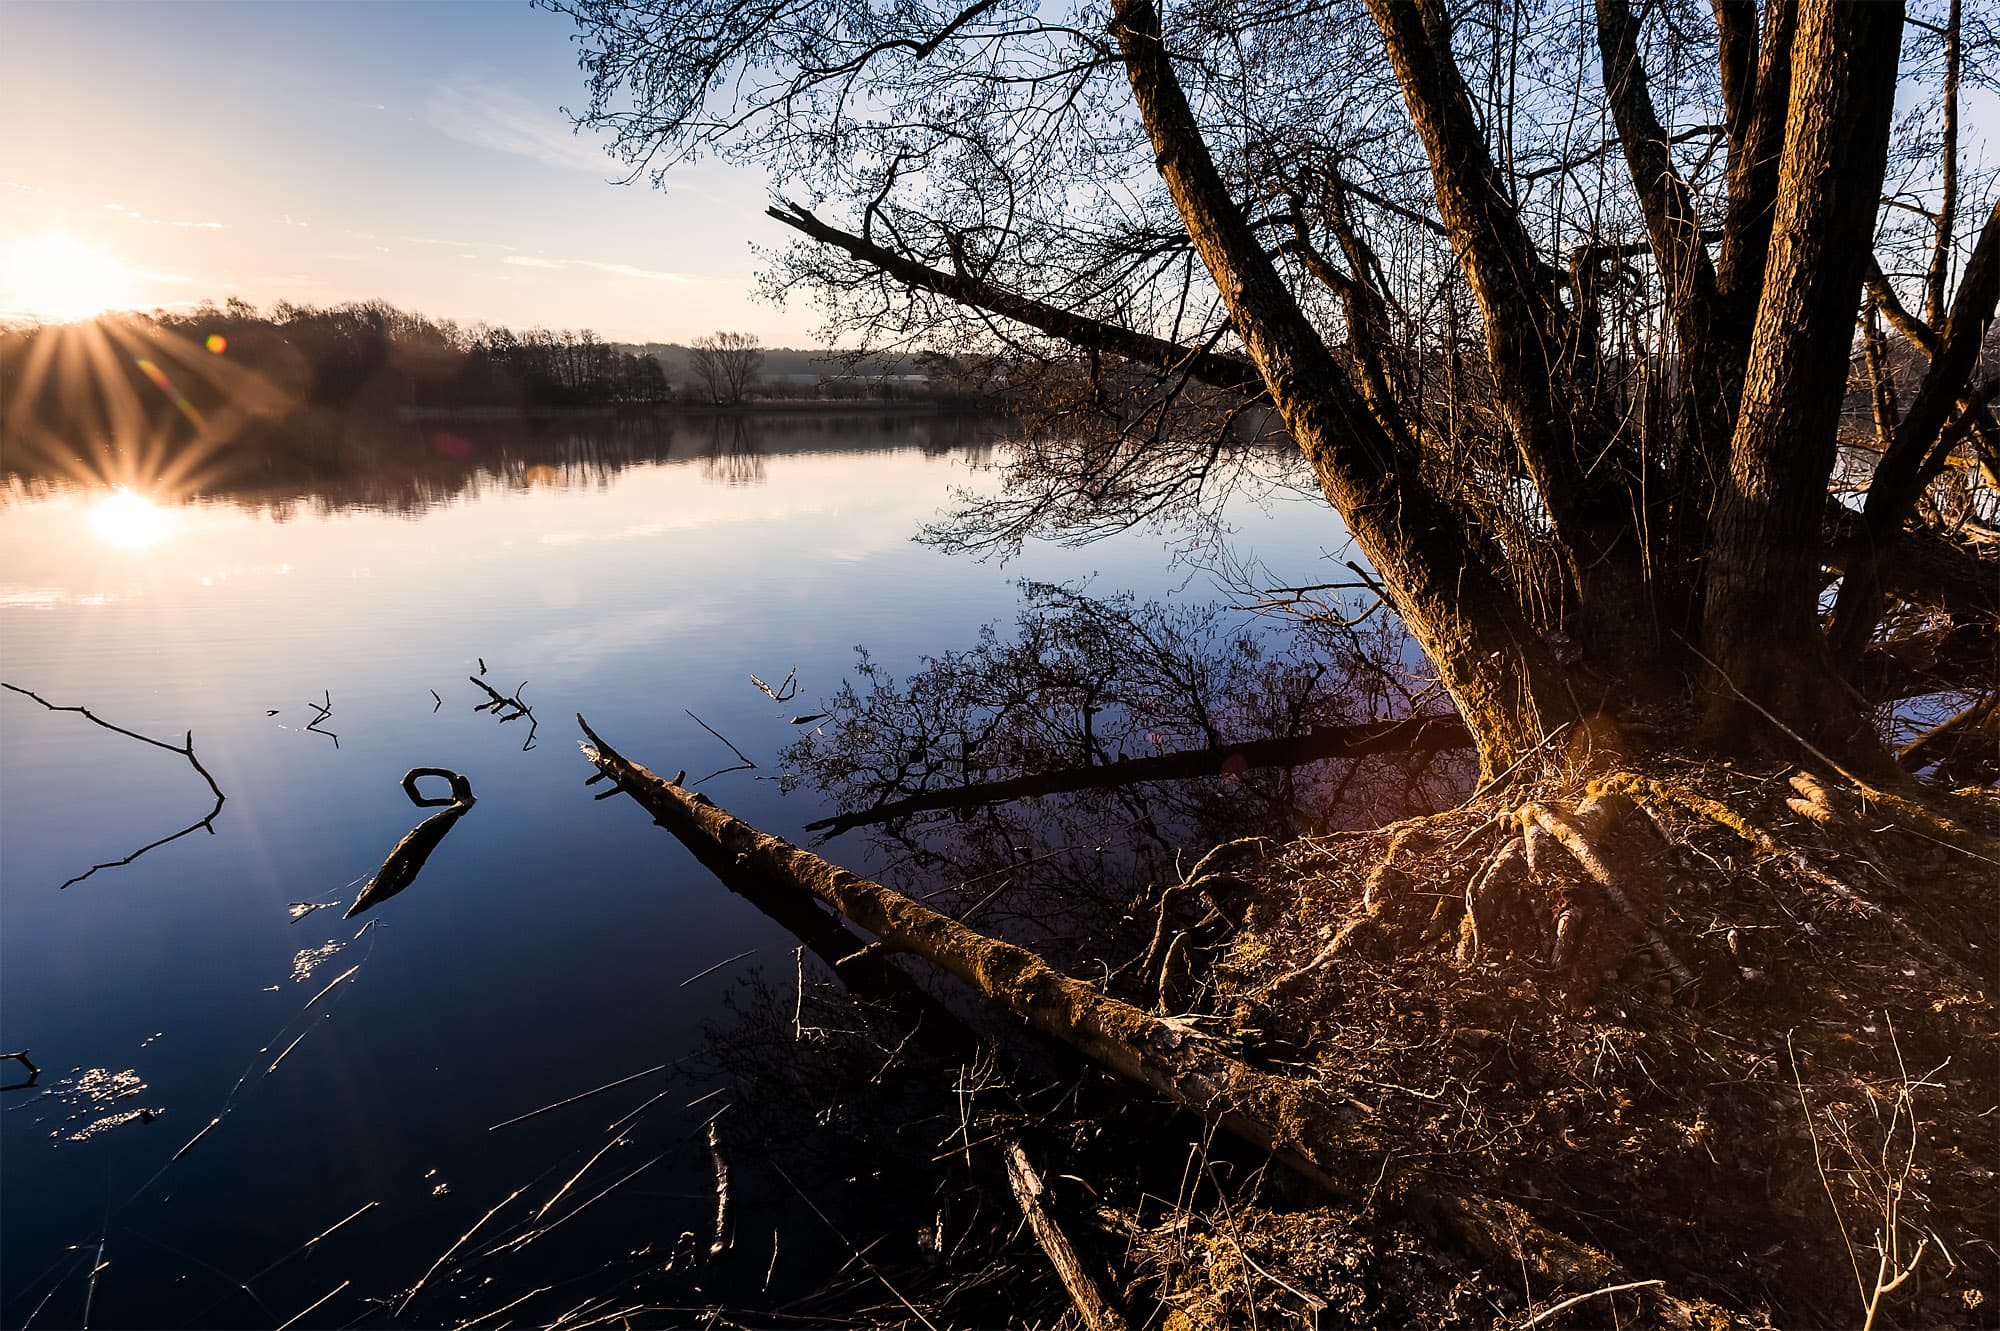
(635, 573)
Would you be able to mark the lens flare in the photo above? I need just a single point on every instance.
(130, 521)
(56, 276)
(217, 343)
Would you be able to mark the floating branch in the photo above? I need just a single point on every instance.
(1416, 734)
(185, 749)
(325, 710)
(788, 688)
(507, 708)
(34, 1073)
(407, 860)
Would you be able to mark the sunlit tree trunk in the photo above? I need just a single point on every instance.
(1762, 622)
(1505, 681)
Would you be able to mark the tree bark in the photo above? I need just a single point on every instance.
(1091, 1305)
(1556, 426)
(1506, 682)
(1761, 622)
(1306, 1129)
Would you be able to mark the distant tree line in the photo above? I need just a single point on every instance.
(367, 357)
(373, 358)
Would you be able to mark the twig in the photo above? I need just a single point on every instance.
(1487, 786)
(322, 1299)
(453, 1249)
(325, 710)
(617, 1139)
(719, 1243)
(727, 961)
(745, 765)
(1953, 836)
(288, 1050)
(858, 1253)
(185, 749)
(787, 689)
(563, 1104)
(1575, 1299)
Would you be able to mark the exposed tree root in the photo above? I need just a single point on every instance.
(1607, 1029)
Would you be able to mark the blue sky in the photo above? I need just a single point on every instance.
(322, 152)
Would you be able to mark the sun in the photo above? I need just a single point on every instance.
(56, 276)
(130, 521)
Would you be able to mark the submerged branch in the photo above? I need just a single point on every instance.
(409, 856)
(185, 749)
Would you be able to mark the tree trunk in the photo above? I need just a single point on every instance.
(1506, 682)
(1557, 426)
(1762, 622)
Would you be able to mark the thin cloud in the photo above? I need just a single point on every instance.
(486, 112)
(134, 215)
(615, 269)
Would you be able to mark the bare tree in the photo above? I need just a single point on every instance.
(1557, 308)
(727, 365)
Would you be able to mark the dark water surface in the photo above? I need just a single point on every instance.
(631, 572)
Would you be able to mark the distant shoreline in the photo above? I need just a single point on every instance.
(778, 407)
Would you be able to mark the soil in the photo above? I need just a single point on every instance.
(1773, 1083)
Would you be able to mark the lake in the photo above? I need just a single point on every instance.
(639, 572)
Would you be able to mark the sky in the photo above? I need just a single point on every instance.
(168, 153)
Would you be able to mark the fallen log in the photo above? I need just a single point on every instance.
(1310, 1131)
(1416, 734)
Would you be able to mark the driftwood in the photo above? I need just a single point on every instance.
(1091, 1306)
(506, 707)
(407, 860)
(1417, 734)
(34, 1073)
(1314, 1133)
(185, 749)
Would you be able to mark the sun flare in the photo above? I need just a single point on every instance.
(56, 276)
(130, 521)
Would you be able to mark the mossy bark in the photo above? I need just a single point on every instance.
(1315, 1135)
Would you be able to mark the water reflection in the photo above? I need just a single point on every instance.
(409, 467)
(545, 951)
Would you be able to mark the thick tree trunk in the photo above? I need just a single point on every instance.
(1560, 431)
(1762, 623)
(1506, 682)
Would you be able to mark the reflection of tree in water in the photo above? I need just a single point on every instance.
(1086, 682)
(734, 455)
(317, 460)
(861, 1128)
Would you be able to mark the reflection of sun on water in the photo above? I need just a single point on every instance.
(130, 521)
(57, 276)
